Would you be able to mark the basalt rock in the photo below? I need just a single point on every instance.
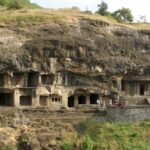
(86, 47)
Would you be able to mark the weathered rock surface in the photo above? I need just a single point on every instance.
(86, 49)
(83, 47)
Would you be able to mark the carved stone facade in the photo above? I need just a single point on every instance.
(56, 91)
(135, 90)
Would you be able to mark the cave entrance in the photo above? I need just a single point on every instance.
(25, 100)
(142, 89)
(81, 100)
(94, 98)
(43, 100)
(71, 101)
(6, 99)
(32, 79)
(47, 79)
(1, 80)
(18, 79)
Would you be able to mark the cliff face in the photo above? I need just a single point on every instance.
(84, 49)
(80, 47)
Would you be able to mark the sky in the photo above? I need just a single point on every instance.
(138, 7)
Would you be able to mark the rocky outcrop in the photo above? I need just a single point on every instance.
(88, 51)
(83, 47)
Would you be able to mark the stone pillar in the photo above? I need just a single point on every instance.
(138, 88)
(35, 101)
(26, 79)
(128, 88)
(40, 80)
(148, 89)
(88, 99)
(16, 98)
(75, 100)
(49, 102)
(8, 81)
(119, 81)
(5, 80)
(100, 100)
(65, 101)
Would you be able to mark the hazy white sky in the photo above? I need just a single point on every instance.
(138, 7)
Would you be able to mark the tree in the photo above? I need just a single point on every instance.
(102, 9)
(2, 2)
(14, 4)
(123, 15)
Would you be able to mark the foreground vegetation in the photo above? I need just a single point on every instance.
(18, 4)
(109, 136)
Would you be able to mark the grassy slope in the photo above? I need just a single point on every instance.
(108, 136)
(43, 15)
(113, 136)
(23, 17)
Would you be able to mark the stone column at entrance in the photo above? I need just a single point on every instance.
(75, 100)
(88, 99)
(16, 98)
(40, 80)
(35, 101)
(100, 100)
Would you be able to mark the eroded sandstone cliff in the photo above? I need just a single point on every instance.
(89, 51)
(82, 47)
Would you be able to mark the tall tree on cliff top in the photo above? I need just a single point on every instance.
(102, 9)
(123, 15)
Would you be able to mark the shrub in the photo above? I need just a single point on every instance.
(17, 4)
(14, 4)
(8, 148)
(66, 146)
(87, 144)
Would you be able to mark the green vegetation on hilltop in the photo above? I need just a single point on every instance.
(23, 17)
(18, 4)
(110, 136)
(121, 15)
(27, 17)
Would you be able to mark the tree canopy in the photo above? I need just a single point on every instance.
(123, 15)
(102, 9)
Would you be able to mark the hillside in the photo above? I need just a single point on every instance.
(49, 57)
(71, 37)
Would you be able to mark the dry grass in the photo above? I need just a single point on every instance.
(24, 17)
(46, 15)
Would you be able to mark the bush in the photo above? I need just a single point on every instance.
(8, 148)
(2, 2)
(14, 4)
(17, 4)
(87, 144)
(66, 146)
